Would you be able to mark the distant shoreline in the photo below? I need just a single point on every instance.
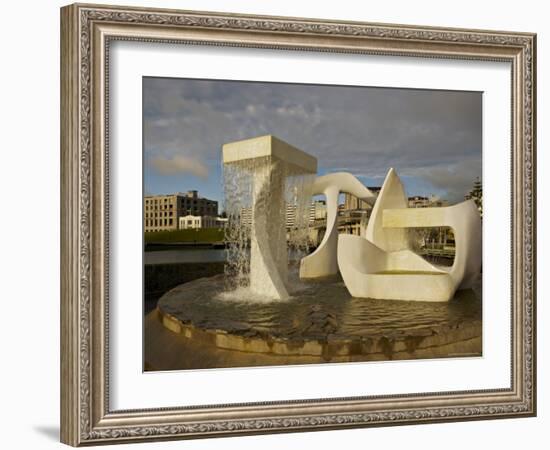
(155, 246)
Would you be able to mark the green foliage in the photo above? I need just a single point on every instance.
(476, 194)
(200, 235)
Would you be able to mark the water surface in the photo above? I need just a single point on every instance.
(315, 309)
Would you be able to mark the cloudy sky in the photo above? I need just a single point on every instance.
(432, 138)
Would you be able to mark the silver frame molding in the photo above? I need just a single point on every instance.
(86, 33)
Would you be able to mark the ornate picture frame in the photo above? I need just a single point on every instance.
(87, 32)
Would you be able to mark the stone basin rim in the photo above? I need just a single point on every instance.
(247, 338)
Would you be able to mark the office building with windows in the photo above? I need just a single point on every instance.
(162, 212)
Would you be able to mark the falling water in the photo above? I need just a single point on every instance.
(244, 205)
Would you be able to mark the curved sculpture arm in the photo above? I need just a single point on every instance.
(323, 261)
(344, 182)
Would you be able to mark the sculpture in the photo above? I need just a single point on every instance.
(383, 265)
(380, 265)
(323, 261)
(269, 162)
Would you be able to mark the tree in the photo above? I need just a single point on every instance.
(476, 194)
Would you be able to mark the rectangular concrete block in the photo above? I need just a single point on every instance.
(414, 217)
(268, 146)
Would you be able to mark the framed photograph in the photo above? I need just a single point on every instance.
(274, 224)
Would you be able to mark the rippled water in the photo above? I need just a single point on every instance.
(316, 308)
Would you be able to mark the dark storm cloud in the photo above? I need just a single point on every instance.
(433, 136)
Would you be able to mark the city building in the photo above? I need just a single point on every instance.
(197, 222)
(317, 212)
(419, 201)
(246, 217)
(290, 216)
(352, 203)
(354, 213)
(162, 212)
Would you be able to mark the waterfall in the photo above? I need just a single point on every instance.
(267, 202)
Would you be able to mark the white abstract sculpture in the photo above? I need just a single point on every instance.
(383, 266)
(323, 261)
(269, 161)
